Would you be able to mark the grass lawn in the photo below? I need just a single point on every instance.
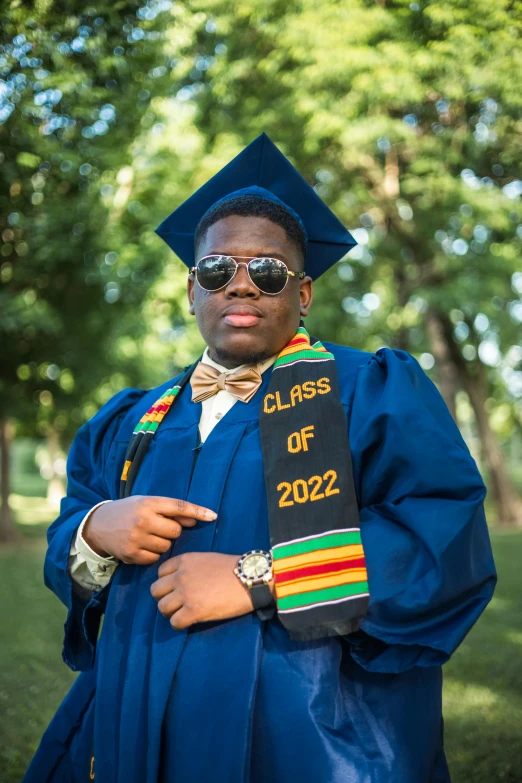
(483, 682)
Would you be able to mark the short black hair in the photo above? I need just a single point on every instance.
(254, 206)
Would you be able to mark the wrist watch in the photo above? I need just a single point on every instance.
(254, 570)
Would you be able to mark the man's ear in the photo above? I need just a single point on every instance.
(306, 295)
(190, 293)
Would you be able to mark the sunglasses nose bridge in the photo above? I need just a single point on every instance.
(242, 279)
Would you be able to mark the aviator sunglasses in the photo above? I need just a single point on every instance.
(269, 275)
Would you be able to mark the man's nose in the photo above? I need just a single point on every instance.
(241, 284)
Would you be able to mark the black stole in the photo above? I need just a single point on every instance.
(320, 574)
(319, 567)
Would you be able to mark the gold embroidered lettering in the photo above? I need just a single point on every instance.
(306, 434)
(332, 475)
(315, 494)
(285, 488)
(280, 406)
(294, 443)
(295, 395)
(297, 441)
(309, 390)
(300, 493)
(300, 488)
(265, 404)
(323, 386)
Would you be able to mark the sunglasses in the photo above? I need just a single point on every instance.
(269, 275)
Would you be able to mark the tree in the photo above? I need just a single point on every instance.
(76, 89)
(406, 118)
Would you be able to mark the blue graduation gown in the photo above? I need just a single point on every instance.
(238, 701)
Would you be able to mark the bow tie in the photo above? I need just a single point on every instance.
(207, 381)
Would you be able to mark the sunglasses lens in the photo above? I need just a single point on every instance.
(268, 274)
(215, 272)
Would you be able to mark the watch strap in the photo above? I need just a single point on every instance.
(263, 601)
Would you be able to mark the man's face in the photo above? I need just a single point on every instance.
(273, 320)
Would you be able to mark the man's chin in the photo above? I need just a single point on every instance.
(234, 355)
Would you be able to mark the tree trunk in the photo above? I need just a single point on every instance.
(445, 369)
(403, 294)
(507, 500)
(55, 487)
(7, 527)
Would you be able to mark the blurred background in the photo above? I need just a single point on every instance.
(406, 117)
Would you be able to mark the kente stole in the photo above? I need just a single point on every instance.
(318, 558)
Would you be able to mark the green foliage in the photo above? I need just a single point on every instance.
(34, 678)
(405, 117)
(77, 89)
(482, 684)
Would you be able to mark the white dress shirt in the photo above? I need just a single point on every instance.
(91, 571)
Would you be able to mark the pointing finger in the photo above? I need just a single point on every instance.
(175, 507)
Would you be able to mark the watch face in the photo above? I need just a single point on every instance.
(255, 566)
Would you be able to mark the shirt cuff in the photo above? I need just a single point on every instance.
(87, 569)
(81, 547)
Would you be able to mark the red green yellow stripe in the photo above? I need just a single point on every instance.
(321, 556)
(299, 349)
(151, 420)
(320, 582)
(299, 339)
(306, 569)
(302, 356)
(327, 595)
(329, 540)
(296, 574)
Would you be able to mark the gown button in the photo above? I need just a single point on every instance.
(219, 415)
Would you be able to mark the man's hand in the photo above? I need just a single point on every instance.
(139, 529)
(196, 587)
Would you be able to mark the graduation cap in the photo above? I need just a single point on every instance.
(262, 169)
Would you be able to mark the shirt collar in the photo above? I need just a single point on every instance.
(262, 365)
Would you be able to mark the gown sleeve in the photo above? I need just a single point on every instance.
(90, 479)
(424, 532)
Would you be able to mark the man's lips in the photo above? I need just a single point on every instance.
(241, 320)
(241, 316)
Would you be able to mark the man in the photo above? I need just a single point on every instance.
(244, 640)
